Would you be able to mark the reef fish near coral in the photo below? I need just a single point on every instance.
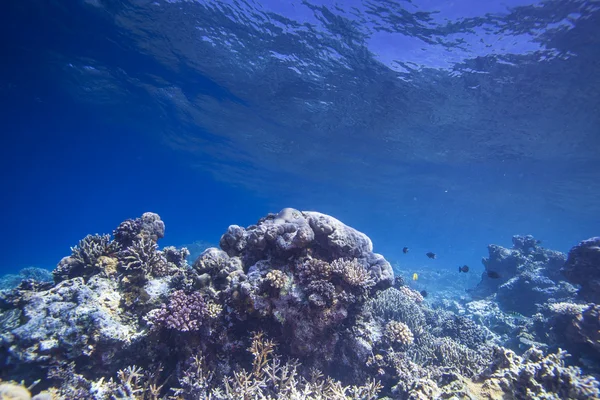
(297, 285)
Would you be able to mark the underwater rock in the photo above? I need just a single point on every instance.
(583, 268)
(72, 320)
(574, 327)
(533, 290)
(528, 276)
(537, 375)
(289, 232)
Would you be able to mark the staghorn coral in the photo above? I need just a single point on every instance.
(433, 352)
(398, 332)
(184, 312)
(83, 261)
(143, 258)
(268, 378)
(353, 272)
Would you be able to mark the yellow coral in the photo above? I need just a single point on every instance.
(353, 272)
(213, 310)
(108, 265)
(276, 278)
(13, 391)
(398, 332)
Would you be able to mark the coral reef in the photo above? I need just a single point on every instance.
(583, 268)
(535, 375)
(297, 306)
(524, 277)
(29, 274)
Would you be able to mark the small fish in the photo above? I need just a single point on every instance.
(515, 314)
(423, 293)
(405, 250)
(430, 255)
(464, 268)
(415, 276)
(493, 274)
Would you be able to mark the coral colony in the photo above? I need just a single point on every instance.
(297, 306)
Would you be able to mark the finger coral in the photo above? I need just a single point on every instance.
(276, 278)
(184, 312)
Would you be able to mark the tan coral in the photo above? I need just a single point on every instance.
(398, 332)
(353, 272)
(213, 310)
(412, 294)
(276, 278)
(567, 308)
(13, 391)
(108, 265)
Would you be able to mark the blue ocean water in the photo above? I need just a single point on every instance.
(442, 127)
(439, 126)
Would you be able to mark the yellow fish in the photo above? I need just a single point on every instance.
(415, 276)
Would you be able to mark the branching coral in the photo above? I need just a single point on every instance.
(185, 312)
(269, 378)
(127, 232)
(431, 351)
(84, 257)
(90, 249)
(462, 329)
(144, 258)
(353, 272)
(394, 304)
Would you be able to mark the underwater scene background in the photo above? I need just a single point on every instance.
(376, 198)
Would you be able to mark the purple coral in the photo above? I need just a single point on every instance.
(149, 225)
(322, 293)
(184, 312)
(126, 233)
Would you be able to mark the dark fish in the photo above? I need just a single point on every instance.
(430, 255)
(405, 250)
(464, 268)
(493, 274)
(423, 293)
